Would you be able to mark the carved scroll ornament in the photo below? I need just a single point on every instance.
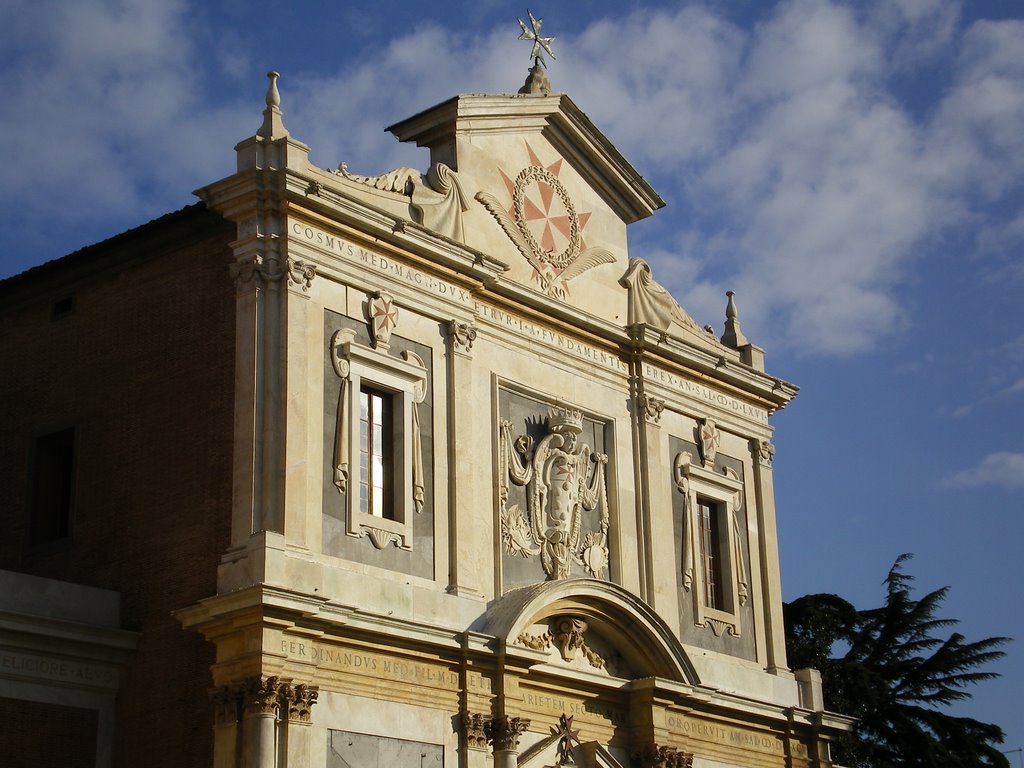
(437, 200)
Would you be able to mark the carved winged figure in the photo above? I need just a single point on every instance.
(563, 478)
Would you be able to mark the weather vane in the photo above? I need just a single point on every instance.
(540, 44)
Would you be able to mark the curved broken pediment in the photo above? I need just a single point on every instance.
(591, 624)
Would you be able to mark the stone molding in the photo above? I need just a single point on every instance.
(261, 696)
(383, 317)
(559, 539)
(709, 440)
(298, 700)
(765, 453)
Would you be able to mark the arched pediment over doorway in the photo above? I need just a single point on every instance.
(595, 620)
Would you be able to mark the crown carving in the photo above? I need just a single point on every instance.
(565, 419)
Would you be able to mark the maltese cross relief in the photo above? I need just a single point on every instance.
(541, 220)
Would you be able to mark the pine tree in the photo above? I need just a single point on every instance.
(896, 674)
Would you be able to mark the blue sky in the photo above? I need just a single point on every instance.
(854, 171)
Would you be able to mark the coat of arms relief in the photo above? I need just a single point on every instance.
(563, 478)
(542, 222)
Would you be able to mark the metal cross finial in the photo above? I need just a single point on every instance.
(540, 44)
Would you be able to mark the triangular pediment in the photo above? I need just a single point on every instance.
(550, 195)
(588, 754)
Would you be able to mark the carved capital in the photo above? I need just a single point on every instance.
(300, 273)
(247, 270)
(260, 696)
(298, 701)
(474, 728)
(765, 453)
(663, 757)
(227, 701)
(651, 408)
(462, 335)
(504, 732)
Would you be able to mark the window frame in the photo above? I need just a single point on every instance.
(404, 382)
(725, 491)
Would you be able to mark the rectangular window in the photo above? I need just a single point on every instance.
(710, 534)
(375, 453)
(53, 485)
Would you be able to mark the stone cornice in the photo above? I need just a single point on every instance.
(223, 614)
(378, 230)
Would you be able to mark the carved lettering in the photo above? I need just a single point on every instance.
(762, 742)
(701, 392)
(389, 266)
(57, 669)
(551, 338)
(376, 665)
(588, 710)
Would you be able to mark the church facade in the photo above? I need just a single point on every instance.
(430, 472)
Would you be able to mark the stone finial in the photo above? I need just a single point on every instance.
(273, 124)
(733, 336)
(536, 82)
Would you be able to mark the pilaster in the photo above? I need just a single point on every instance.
(764, 455)
(503, 733)
(259, 720)
(656, 505)
(467, 559)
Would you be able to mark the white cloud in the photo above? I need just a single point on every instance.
(794, 175)
(1002, 469)
(103, 111)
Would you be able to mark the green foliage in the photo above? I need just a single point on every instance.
(890, 668)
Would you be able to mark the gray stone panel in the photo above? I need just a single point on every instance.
(358, 750)
(336, 542)
(704, 637)
(529, 417)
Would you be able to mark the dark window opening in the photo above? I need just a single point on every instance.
(52, 487)
(711, 554)
(63, 306)
(376, 455)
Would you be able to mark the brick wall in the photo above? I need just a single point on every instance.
(33, 734)
(143, 368)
